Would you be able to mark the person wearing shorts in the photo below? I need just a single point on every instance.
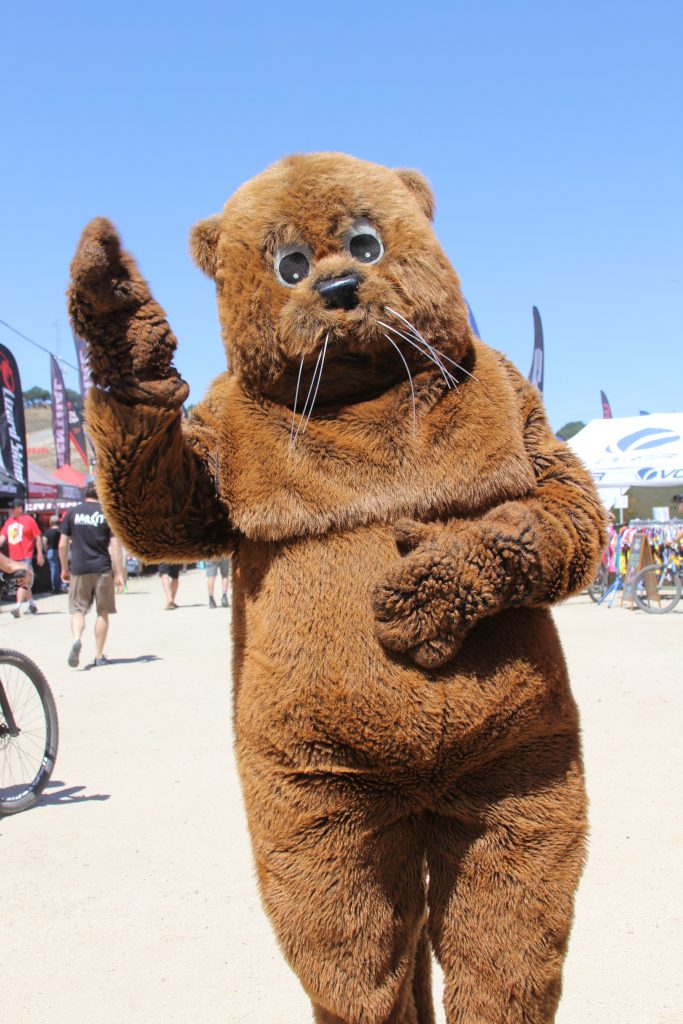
(93, 574)
(21, 533)
(212, 569)
(168, 575)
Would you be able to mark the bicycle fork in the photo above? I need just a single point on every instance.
(9, 725)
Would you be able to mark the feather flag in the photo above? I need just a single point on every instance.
(536, 371)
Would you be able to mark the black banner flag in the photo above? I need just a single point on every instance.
(83, 366)
(12, 423)
(536, 371)
(76, 432)
(60, 415)
(79, 436)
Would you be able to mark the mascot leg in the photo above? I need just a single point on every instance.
(342, 875)
(504, 861)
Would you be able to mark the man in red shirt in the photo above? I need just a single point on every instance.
(20, 532)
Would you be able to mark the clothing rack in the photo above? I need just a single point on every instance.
(657, 532)
(619, 542)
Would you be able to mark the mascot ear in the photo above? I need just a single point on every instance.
(204, 243)
(420, 188)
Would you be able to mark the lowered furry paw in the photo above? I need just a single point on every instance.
(413, 605)
(450, 576)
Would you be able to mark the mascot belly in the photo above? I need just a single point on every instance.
(400, 517)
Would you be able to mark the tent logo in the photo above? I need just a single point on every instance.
(647, 474)
(648, 437)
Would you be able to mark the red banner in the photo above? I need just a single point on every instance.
(606, 409)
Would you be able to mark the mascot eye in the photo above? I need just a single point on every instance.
(363, 242)
(292, 266)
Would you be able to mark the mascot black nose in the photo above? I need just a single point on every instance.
(339, 292)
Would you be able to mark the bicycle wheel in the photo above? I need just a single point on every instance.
(600, 585)
(29, 732)
(657, 589)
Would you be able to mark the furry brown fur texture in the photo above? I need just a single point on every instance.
(406, 737)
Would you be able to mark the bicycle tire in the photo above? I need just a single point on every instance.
(22, 794)
(667, 600)
(600, 585)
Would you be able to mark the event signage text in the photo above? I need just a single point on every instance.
(12, 422)
(60, 415)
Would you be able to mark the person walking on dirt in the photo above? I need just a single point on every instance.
(22, 534)
(94, 551)
(168, 574)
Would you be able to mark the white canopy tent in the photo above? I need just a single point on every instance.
(634, 451)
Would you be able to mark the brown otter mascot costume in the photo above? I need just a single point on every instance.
(400, 517)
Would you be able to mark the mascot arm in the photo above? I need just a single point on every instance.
(155, 478)
(535, 551)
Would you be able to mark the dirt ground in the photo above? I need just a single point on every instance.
(129, 892)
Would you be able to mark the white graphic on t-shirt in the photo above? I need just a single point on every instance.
(15, 532)
(83, 519)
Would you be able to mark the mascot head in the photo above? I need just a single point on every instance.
(331, 262)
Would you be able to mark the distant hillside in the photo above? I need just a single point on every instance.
(41, 444)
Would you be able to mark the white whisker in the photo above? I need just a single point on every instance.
(456, 365)
(418, 337)
(410, 379)
(414, 331)
(320, 377)
(296, 399)
(447, 375)
(310, 391)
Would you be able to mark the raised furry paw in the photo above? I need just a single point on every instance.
(102, 274)
(130, 343)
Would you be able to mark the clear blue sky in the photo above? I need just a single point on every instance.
(552, 135)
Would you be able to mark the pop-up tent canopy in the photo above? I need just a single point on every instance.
(44, 487)
(635, 451)
(9, 487)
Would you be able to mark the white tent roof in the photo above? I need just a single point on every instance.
(634, 451)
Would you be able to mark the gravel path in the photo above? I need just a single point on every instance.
(131, 894)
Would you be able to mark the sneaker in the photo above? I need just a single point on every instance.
(16, 612)
(100, 662)
(212, 603)
(74, 653)
(224, 601)
(33, 608)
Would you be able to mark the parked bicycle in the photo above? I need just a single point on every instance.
(29, 728)
(29, 732)
(600, 585)
(658, 587)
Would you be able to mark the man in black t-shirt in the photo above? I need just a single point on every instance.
(93, 551)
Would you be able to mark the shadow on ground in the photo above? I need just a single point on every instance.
(142, 658)
(67, 795)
